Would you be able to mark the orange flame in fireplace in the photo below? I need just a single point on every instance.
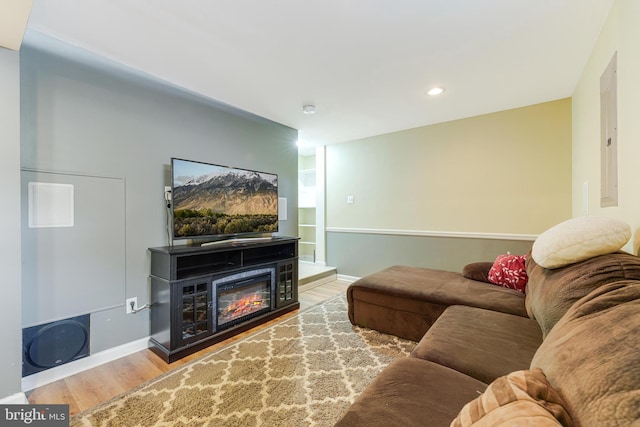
(245, 305)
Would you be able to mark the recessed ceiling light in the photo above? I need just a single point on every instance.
(434, 91)
(309, 109)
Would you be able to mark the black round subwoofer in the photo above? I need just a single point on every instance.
(53, 344)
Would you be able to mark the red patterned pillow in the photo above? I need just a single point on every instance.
(509, 271)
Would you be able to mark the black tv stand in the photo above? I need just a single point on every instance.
(185, 283)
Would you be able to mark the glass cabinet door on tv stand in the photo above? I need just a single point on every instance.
(287, 288)
(194, 311)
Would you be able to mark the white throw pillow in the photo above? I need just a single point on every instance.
(578, 239)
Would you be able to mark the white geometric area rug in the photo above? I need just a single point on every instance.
(304, 371)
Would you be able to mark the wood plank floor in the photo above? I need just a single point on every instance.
(90, 388)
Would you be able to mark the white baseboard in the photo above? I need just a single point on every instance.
(346, 278)
(54, 374)
(15, 399)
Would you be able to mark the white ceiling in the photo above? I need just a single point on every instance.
(365, 64)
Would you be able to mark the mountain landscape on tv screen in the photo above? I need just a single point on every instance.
(230, 203)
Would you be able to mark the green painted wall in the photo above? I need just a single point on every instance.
(620, 34)
(505, 173)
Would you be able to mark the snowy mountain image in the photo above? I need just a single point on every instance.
(221, 200)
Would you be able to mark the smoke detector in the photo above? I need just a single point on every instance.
(309, 109)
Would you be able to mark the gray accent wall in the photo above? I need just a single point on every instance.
(70, 271)
(360, 254)
(10, 315)
(111, 132)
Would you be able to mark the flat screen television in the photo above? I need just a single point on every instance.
(214, 201)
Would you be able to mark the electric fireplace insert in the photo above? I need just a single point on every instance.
(241, 298)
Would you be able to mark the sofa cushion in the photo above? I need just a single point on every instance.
(405, 301)
(550, 293)
(509, 271)
(579, 238)
(412, 392)
(591, 356)
(522, 398)
(483, 344)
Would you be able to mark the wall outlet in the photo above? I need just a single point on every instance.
(167, 193)
(131, 305)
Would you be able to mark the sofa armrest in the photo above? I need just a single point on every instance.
(477, 271)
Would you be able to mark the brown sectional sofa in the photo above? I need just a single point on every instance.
(406, 301)
(566, 354)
